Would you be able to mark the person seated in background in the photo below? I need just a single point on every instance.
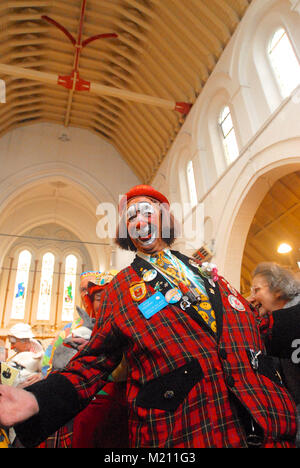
(28, 354)
(22, 368)
(21, 339)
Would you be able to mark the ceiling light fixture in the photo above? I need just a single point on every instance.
(64, 137)
(284, 248)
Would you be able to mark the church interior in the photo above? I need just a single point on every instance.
(198, 98)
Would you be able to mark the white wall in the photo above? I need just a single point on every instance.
(89, 172)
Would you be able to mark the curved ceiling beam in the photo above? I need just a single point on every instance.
(95, 88)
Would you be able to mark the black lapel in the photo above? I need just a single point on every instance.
(140, 266)
(158, 283)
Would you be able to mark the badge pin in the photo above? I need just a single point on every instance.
(236, 303)
(185, 303)
(138, 291)
(173, 295)
(149, 275)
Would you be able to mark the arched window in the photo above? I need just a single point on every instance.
(21, 285)
(284, 62)
(228, 134)
(44, 304)
(191, 184)
(69, 288)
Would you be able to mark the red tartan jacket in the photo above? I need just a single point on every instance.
(183, 381)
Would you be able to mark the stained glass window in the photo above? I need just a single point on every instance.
(284, 62)
(69, 288)
(228, 134)
(44, 303)
(21, 285)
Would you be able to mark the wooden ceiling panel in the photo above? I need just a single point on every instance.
(163, 49)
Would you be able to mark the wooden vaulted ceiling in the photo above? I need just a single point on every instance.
(164, 49)
(277, 220)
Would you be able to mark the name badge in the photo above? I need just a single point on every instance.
(152, 305)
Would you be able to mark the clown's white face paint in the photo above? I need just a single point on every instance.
(144, 225)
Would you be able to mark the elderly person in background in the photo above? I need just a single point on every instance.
(29, 354)
(275, 293)
(21, 339)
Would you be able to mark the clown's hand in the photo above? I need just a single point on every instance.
(16, 405)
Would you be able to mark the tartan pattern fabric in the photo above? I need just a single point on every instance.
(61, 439)
(164, 344)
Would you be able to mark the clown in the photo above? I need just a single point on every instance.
(198, 374)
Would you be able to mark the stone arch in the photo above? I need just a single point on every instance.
(21, 213)
(244, 200)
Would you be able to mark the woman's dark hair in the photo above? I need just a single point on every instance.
(169, 229)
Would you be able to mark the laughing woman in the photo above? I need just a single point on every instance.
(276, 295)
(276, 291)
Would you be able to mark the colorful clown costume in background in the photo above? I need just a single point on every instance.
(103, 423)
(97, 278)
(58, 341)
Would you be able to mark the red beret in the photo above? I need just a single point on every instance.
(142, 191)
